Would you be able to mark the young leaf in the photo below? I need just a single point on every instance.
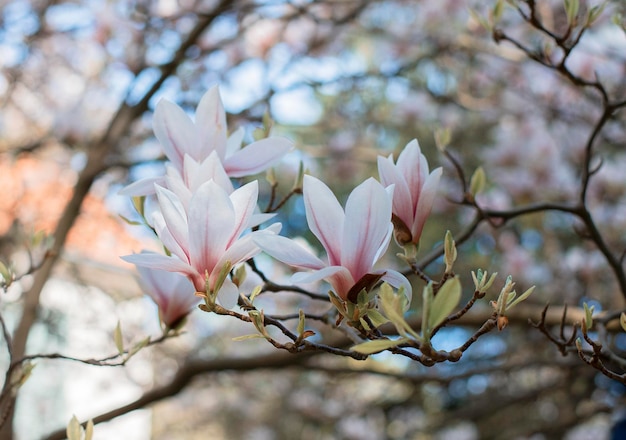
(117, 337)
(477, 182)
(588, 316)
(74, 431)
(444, 302)
(521, 298)
(300, 329)
(622, 321)
(89, 430)
(450, 253)
(371, 347)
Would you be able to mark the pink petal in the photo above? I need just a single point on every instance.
(168, 240)
(153, 260)
(325, 217)
(143, 187)
(196, 173)
(175, 132)
(368, 216)
(233, 144)
(402, 201)
(257, 156)
(244, 202)
(174, 215)
(211, 224)
(413, 165)
(228, 294)
(338, 276)
(211, 124)
(288, 251)
(425, 205)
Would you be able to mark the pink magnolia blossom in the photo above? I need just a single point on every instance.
(179, 135)
(354, 240)
(205, 236)
(189, 146)
(414, 191)
(173, 294)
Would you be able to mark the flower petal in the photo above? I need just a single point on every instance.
(211, 224)
(228, 294)
(142, 187)
(325, 217)
(233, 144)
(175, 131)
(288, 251)
(174, 215)
(402, 202)
(425, 205)
(337, 276)
(257, 156)
(211, 125)
(244, 203)
(153, 260)
(368, 216)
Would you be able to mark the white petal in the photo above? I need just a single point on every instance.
(228, 294)
(325, 217)
(211, 124)
(425, 205)
(244, 202)
(211, 223)
(289, 252)
(402, 201)
(257, 156)
(233, 144)
(143, 187)
(153, 260)
(175, 131)
(368, 216)
(174, 215)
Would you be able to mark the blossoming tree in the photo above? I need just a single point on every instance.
(385, 289)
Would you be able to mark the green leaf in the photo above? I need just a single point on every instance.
(393, 308)
(117, 337)
(622, 321)
(444, 302)
(376, 318)
(300, 329)
(371, 347)
(588, 315)
(450, 253)
(478, 181)
(521, 298)
(74, 431)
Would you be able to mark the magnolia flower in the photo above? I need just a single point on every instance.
(183, 182)
(205, 238)
(414, 191)
(354, 240)
(179, 136)
(173, 294)
(188, 145)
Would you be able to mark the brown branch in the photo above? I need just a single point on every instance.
(187, 373)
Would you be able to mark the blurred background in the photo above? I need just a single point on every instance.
(346, 80)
